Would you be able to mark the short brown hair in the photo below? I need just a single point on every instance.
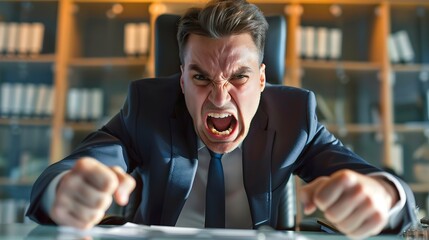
(220, 18)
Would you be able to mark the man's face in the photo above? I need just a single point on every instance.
(222, 81)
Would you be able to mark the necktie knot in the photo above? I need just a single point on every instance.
(214, 155)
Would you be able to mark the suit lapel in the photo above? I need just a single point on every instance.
(257, 169)
(183, 165)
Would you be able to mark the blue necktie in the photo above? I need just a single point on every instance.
(215, 193)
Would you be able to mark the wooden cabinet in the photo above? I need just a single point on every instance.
(376, 107)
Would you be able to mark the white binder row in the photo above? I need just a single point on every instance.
(21, 38)
(319, 42)
(400, 48)
(26, 100)
(84, 104)
(136, 38)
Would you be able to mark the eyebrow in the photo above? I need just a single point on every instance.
(241, 70)
(195, 67)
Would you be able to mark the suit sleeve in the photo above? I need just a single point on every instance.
(110, 145)
(324, 154)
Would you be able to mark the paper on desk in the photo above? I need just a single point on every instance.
(134, 231)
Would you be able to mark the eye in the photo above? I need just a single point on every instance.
(239, 79)
(201, 79)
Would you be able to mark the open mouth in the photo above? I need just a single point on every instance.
(221, 124)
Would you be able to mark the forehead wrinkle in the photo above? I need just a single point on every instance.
(229, 62)
(220, 60)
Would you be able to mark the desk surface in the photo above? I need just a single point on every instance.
(33, 231)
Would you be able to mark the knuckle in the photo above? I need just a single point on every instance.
(346, 175)
(378, 217)
(104, 202)
(56, 213)
(359, 189)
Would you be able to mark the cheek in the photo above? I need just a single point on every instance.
(248, 101)
(194, 101)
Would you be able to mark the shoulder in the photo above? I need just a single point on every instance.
(280, 95)
(152, 94)
(287, 106)
(170, 82)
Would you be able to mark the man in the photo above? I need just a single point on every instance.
(169, 127)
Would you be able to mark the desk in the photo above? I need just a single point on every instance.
(34, 231)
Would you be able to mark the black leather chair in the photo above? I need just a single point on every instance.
(167, 60)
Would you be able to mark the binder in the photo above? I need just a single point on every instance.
(96, 103)
(18, 97)
(6, 89)
(3, 35)
(42, 91)
(310, 42)
(393, 51)
(30, 93)
(143, 38)
(298, 41)
(130, 41)
(405, 49)
(49, 106)
(73, 104)
(84, 104)
(12, 37)
(335, 47)
(322, 42)
(37, 32)
(24, 38)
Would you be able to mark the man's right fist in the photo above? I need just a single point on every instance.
(85, 193)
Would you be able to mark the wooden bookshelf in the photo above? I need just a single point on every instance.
(76, 56)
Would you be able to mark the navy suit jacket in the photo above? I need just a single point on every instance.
(153, 138)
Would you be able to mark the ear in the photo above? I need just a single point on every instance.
(262, 79)
(181, 79)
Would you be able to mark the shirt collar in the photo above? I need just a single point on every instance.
(201, 145)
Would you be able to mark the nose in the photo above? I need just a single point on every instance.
(219, 95)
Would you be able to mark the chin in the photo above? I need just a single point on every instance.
(223, 147)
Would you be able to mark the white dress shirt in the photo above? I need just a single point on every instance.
(237, 212)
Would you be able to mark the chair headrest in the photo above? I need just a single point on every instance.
(167, 60)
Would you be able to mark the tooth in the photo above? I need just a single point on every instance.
(226, 132)
(219, 115)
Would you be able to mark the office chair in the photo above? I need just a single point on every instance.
(167, 60)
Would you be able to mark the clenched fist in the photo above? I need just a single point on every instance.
(85, 193)
(358, 205)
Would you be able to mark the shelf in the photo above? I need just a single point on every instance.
(359, 2)
(411, 127)
(109, 62)
(83, 126)
(25, 121)
(346, 65)
(32, 1)
(20, 182)
(114, 1)
(43, 58)
(410, 67)
(409, 2)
